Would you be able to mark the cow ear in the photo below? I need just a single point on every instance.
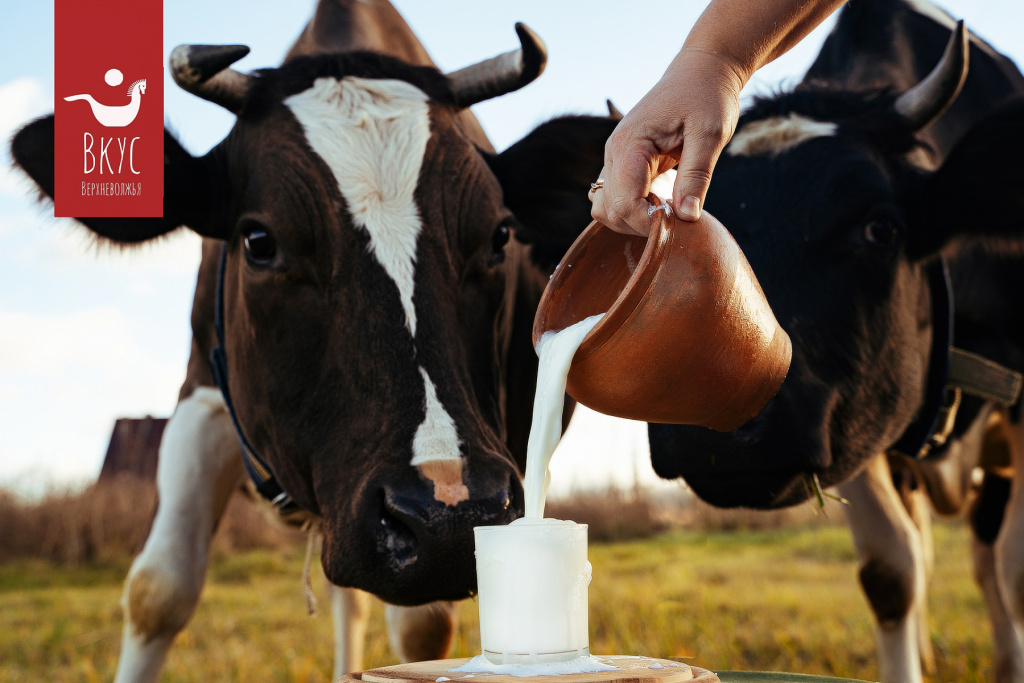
(979, 190)
(188, 186)
(545, 178)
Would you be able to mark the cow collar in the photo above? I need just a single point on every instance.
(952, 372)
(260, 473)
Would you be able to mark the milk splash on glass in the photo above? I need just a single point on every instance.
(533, 574)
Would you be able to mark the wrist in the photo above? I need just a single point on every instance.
(713, 66)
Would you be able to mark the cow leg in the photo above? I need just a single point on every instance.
(198, 469)
(422, 633)
(1007, 654)
(892, 568)
(1009, 549)
(350, 611)
(915, 501)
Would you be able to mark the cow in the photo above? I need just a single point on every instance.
(361, 321)
(847, 200)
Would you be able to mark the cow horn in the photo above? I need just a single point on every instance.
(203, 71)
(613, 111)
(502, 74)
(923, 103)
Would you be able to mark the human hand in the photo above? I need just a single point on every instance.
(687, 118)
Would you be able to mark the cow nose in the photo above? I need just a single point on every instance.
(413, 512)
(420, 536)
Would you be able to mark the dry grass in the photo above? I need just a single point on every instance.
(611, 515)
(108, 522)
(697, 515)
(723, 589)
(784, 600)
(73, 527)
(616, 515)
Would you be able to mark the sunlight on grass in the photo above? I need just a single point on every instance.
(784, 600)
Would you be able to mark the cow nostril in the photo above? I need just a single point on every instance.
(396, 539)
(516, 502)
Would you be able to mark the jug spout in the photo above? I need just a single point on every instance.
(688, 336)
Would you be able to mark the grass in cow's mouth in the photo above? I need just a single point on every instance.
(813, 486)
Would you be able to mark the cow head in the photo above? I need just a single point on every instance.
(371, 291)
(828, 197)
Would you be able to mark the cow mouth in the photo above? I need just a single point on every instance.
(759, 491)
(414, 549)
(753, 467)
(400, 545)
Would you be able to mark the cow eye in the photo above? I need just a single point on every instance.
(881, 232)
(499, 238)
(260, 246)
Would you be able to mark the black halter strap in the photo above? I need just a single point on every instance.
(917, 436)
(258, 470)
(951, 373)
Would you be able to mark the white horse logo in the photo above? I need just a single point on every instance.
(115, 117)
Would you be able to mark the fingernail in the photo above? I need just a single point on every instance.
(690, 209)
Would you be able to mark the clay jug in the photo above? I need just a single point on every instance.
(687, 337)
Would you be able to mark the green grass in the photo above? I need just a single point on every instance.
(784, 600)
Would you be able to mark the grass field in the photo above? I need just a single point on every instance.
(783, 600)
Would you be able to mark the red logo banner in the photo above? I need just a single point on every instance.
(108, 108)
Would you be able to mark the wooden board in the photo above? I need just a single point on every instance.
(630, 670)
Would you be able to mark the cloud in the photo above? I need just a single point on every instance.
(64, 379)
(23, 100)
(59, 245)
(99, 347)
(50, 344)
(69, 368)
(71, 245)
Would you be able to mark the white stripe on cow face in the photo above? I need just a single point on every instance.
(776, 135)
(435, 449)
(436, 438)
(373, 134)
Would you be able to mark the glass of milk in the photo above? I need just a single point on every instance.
(533, 580)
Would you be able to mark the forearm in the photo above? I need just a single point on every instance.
(747, 34)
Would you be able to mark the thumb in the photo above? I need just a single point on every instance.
(696, 164)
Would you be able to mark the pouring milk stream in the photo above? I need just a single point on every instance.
(556, 350)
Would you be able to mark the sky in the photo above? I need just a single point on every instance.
(88, 334)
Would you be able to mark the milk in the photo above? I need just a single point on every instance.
(556, 350)
(533, 575)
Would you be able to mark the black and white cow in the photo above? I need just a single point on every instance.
(375, 314)
(844, 195)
